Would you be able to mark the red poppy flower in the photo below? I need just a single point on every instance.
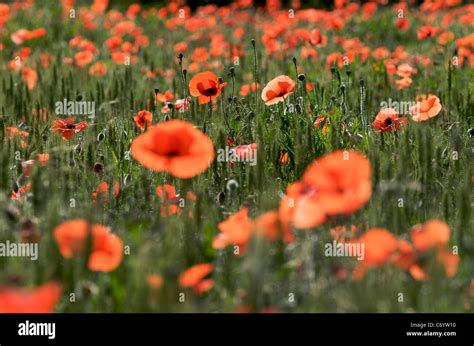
(39, 300)
(278, 89)
(237, 230)
(107, 249)
(427, 106)
(205, 86)
(387, 120)
(143, 118)
(67, 127)
(427, 31)
(336, 184)
(176, 147)
(194, 276)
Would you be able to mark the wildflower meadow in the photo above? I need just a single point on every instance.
(242, 157)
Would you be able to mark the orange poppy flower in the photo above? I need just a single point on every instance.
(107, 249)
(236, 230)
(433, 233)
(278, 89)
(43, 159)
(406, 70)
(270, 225)
(336, 184)
(155, 281)
(176, 147)
(427, 31)
(427, 106)
(170, 199)
(22, 190)
(67, 128)
(29, 76)
(317, 39)
(387, 120)
(248, 88)
(379, 246)
(194, 276)
(98, 69)
(205, 86)
(83, 58)
(42, 299)
(403, 83)
(167, 192)
(143, 118)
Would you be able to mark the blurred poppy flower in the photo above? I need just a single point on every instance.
(205, 86)
(317, 39)
(236, 230)
(433, 233)
(278, 89)
(67, 127)
(246, 89)
(426, 31)
(154, 281)
(176, 147)
(194, 277)
(41, 299)
(427, 106)
(29, 76)
(270, 226)
(143, 118)
(387, 120)
(336, 184)
(98, 69)
(107, 248)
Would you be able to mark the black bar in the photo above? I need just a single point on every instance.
(222, 329)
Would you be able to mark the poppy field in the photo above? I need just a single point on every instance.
(240, 158)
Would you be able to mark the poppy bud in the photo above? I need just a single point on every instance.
(78, 149)
(348, 73)
(29, 232)
(157, 90)
(89, 289)
(100, 137)
(98, 168)
(180, 56)
(220, 198)
(127, 180)
(232, 185)
(232, 70)
(185, 72)
(361, 82)
(301, 77)
(294, 60)
(253, 42)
